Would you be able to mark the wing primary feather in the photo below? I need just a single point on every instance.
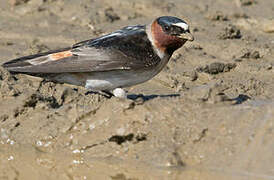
(23, 61)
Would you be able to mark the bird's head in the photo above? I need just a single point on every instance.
(170, 33)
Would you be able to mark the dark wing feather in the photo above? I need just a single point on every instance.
(23, 61)
(128, 48)
(75, 63)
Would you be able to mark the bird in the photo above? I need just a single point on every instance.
(109, 63)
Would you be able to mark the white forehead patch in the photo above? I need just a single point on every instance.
(182, 25)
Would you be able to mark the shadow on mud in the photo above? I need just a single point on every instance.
(241, 98)
(150, 97)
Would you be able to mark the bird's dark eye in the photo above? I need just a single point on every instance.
(181, 30)
(167, 28)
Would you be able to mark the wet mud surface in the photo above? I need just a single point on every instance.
(208, 115)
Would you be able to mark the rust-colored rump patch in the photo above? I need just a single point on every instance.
(60, 55)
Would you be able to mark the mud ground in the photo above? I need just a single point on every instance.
(208, 115)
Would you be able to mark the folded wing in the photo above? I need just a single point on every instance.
(124, 49)
(84, 59)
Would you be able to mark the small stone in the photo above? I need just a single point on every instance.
(215, 68)
(245, 2)
(17, 2)
(4, 117)
(195, 29)
(217, 16)
(191, 74)
(111, 15)
(269, 67)
(268, 26)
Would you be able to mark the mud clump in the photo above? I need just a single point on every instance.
(251, 55)
(119, 139)
(35, 98)
(216, 68)
(230, 32)
(7, 84)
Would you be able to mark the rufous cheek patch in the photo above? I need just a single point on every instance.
(60, 55)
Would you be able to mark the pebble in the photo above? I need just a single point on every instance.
(268, 26)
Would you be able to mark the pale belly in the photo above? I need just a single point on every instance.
(109, 80)
(112, 80)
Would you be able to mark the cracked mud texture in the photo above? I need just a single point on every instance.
(208, 115)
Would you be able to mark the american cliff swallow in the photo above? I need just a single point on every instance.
(126, 57)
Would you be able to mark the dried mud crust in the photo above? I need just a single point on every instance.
(208, 115)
